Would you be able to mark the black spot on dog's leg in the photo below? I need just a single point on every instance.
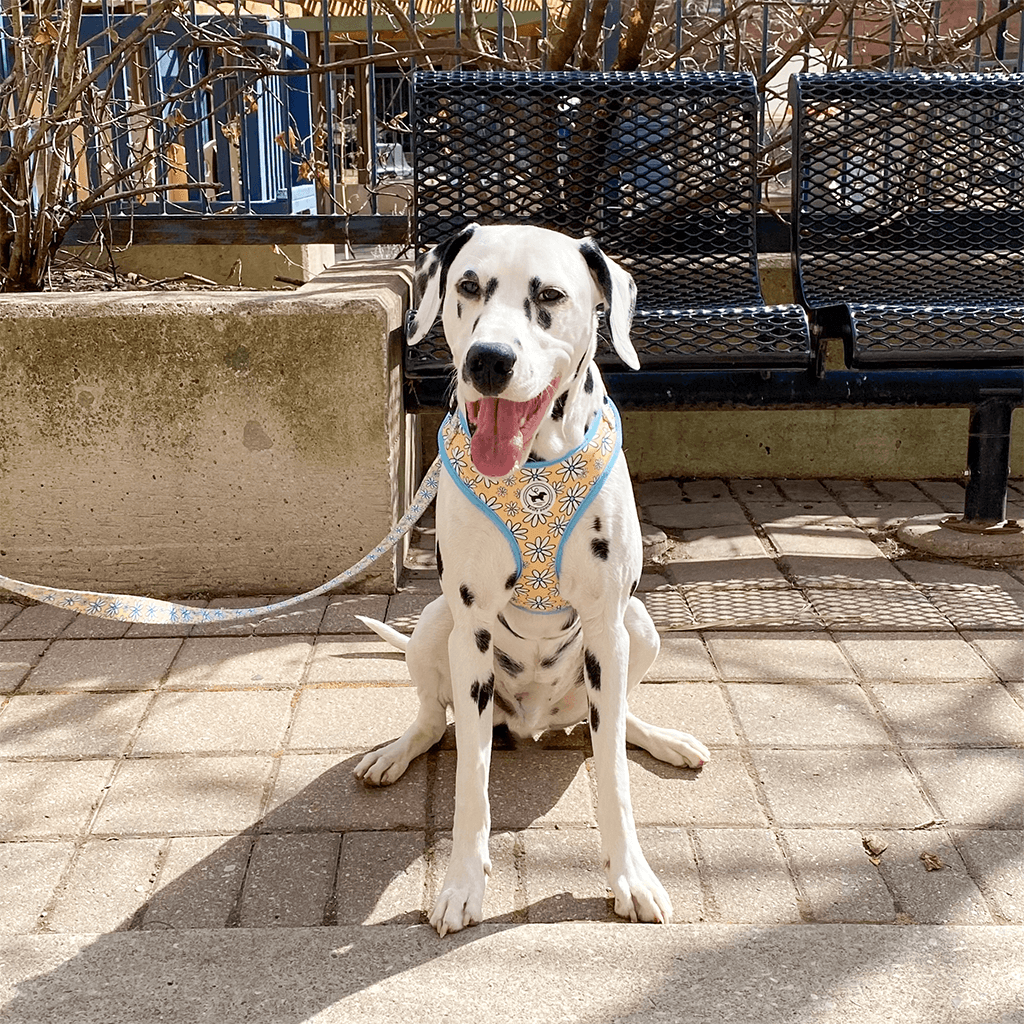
(440, 561)
(558, 406)
(483, 640)
(597, 524)
(507, 663)
(503, 705)
(511, 581)
(599, 546)
(467, 595)
(482, 693)
(593, 667)
(588, 384)
(595, 718)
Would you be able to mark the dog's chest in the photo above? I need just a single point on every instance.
(538, 684)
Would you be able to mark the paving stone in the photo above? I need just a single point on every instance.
(527, 788)
(804, 715)
(831, 535)
(189, 723)
(705, 490)
(30, 873)
(503, 897)
(746, 874)
(914, 658)
(37, 622)
(703, 516)
(731, 608)
(954, 573)
(670, 853)
(873, 607)
(943, 896)
(144, 630)
(877, 517)
(681, 659)
(404, 610)
(651, 579)
(340, 616)
(108, 884)
(969, 606)
(319, 791)
(774, 658)
(301, 618)
(852, 490)
(835, 572)
(17, 659)
(759, 573)
(7, 612)
(947, 493)
(341, 662)
(218, 662)
(70, 725)
(668, 609)
(839, 787)
(102, 665)
(812, 491)
(974, 788)
(720, 793)
(838, 882)
(755, 490)
(199, 882)
(563, 876)
(723, 542)
(660, 492)
(954, 714)
(899, 490)
(695, 708)
(289, 881)
(995, 859)
(184, 795)
(381, 878)
(241, 627)
(91, 627)
(352, 717)
(49, 799)
(1003, 652)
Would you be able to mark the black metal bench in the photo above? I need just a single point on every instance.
(660, 170)
(908, 237)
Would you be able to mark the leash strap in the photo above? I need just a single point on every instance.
(125, 608)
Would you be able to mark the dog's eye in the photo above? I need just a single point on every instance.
(550, 295)
(469, 288)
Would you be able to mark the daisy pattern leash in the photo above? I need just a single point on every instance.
(125, 608)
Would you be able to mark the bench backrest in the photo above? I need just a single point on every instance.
(909, 188)
(658, 167)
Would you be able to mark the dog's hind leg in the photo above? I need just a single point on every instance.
(668, 745)
(427, 658)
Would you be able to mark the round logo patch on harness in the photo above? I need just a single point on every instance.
(537, 496)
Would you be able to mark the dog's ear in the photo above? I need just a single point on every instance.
(619, 296)
(430, 282)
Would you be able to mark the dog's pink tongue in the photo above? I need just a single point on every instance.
(498, 440)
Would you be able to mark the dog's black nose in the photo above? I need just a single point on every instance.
(489, 366)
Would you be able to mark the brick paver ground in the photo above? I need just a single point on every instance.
(865, 711)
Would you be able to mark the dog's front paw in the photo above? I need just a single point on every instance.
(384, 766)
(461, 901)
(638, 893)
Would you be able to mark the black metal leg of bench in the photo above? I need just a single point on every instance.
(988, 463)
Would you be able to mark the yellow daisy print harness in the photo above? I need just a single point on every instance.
(537, 505)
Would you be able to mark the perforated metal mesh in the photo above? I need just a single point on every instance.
(909, 207)
(658, 167)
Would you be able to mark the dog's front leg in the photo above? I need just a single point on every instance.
(638, 893)
(472, 667)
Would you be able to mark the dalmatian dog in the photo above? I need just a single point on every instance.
(538, 546)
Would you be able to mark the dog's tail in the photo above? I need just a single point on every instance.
(385, 632)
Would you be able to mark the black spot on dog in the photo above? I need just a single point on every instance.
(475, 322)
(571, 620)
(632, 589)
(507, 663)
(482, 693)
(599, 268)
(466, 594)
(558, 406)
(413, 326)
(483, 640)
(501, 619)
(552, 659)
(490, 289)
(599, 546)
(503, 704)
(440, 561)
(588, 384)
(458, 310)
(597, 524)
(527, 310)
(543, 318)
(579, 366)
(511, 581)
(593, 667)
(595, 718)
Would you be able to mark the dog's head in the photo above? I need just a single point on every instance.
(519, 307)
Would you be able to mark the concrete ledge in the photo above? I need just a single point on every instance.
(219, 443)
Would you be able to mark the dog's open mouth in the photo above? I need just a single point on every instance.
(500, 428)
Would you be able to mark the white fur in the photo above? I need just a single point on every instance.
(444, 655)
